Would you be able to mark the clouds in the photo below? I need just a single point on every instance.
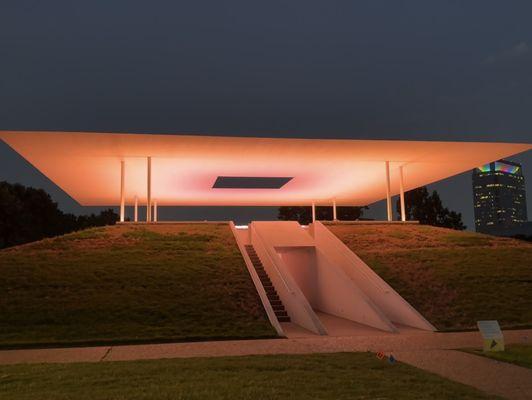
(517, 51)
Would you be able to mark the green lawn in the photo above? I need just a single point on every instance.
(519, 354)
(128, 284)
(318, 376)
(453, 278)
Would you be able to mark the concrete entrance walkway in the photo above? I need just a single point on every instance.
(427, 351)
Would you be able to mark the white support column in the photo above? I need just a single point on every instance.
(154, 210)
(148, 201)
(122, 192)
(136, 213)
(388, 193)
(313, 212)
(334, 211)
(402, 194)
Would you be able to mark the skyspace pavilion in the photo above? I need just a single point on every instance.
(306, 277)
(104, 169)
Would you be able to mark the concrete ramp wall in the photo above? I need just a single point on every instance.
(381, 294)
(312, 275)
(312, 270)
(339, 296)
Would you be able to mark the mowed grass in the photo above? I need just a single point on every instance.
(318, 376)
(453, 278)
(129, 284)
(518, 354)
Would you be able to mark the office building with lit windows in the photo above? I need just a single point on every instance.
(499, 198)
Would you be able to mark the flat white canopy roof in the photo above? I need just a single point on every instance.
(185, 168)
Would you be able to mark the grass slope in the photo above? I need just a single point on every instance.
(453, 278)
(127, 284)
(323, 376)
(518, 354)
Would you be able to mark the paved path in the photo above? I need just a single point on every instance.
(316, 344)
(494, 377)
(429, 351)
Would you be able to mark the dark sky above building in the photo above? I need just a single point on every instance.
(447, 70)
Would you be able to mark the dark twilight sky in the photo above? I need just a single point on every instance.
(446, 70)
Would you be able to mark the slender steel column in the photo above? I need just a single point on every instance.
(148, 201)
(402, 194)
(388, 193)
(313, 212)
(154, 210)
(122, 193)
(136, 214)
(334, 210)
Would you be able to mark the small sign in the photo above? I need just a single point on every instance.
(382, 356)
(492, 335)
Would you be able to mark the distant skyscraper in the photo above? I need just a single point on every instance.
(499, 198)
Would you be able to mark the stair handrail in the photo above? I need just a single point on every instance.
(257, 282)
(272, 261)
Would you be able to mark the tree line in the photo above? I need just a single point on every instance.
(28, 214)
(420, 205)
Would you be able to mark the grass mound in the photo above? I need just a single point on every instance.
(317, 376)
(128, 284)
(453, 278)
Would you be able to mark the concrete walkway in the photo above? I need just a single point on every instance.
(494, 377)
(429, 351)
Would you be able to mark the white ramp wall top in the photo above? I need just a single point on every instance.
(388, 300)
(263, 235)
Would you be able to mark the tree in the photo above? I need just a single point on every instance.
(303, 214)
(28, 214)
(428, 209)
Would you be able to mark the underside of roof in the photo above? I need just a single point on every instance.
(208, 170)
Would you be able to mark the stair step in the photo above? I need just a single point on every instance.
(271, 293)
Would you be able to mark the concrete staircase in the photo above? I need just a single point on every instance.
(273, 297)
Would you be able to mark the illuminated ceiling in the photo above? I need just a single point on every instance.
(185, 169)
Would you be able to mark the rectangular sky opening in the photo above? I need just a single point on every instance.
(250, 182)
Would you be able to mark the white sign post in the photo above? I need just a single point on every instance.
(492, 335)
